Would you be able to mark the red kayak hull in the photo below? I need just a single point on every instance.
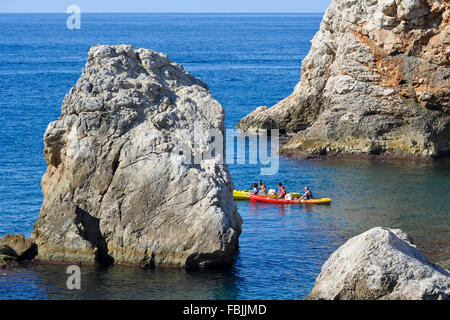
(254, 197)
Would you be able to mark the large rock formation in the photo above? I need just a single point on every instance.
(376, 81)
(116, 188)
(380, 264)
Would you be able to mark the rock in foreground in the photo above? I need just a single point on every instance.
(16, 247)
(381, 264)
(375, 82)
(115, 190)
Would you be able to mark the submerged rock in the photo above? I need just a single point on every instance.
(16, 247)
(381, 264)
(376, 81)
(115, 190)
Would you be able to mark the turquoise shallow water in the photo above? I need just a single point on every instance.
(247, 61)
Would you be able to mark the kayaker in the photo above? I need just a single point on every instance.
(307, 195)
(281, 191)
(262, 187)
(255, 189)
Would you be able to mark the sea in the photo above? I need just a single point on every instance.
(247, 60)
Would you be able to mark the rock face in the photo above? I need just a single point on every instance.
(16, 247)
(376, 81)
(380, 264)
(115, 190)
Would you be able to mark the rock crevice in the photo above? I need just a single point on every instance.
(380, 264)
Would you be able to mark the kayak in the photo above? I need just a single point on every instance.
(241, 194)
(284, 201)
(244, 194)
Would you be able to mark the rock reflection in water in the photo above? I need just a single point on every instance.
(117, 282)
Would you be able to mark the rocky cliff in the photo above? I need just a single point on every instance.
(376, 81)
(115, 190)
(380, 264)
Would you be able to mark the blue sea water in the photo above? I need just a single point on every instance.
(247, 60)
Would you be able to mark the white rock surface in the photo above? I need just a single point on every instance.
(382, 264)
(375, 82)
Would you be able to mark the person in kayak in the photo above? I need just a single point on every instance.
(307, 195)
(281, 191)
(262, 187)
(255, 189)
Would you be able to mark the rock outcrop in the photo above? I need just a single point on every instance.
(117, 188)
(381, 264)
(376, 81)
(16, 247)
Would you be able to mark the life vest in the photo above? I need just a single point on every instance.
(309, 196)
